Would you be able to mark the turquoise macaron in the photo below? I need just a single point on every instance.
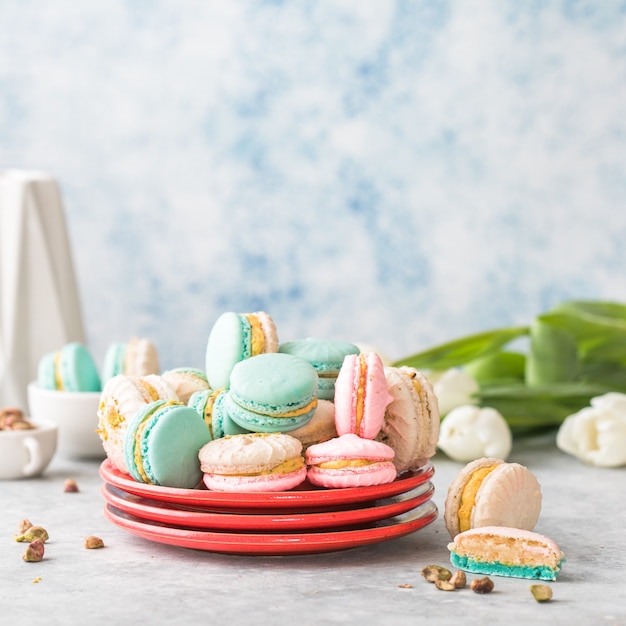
(162, 442)
(272, 392)
(114, 360)
(235, 337)
(211, 406)
(71, 368)
(325, 355)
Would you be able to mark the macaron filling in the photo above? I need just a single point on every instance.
(286, 467)
(277, 411)
(468, 495)
(360, 391)
(257, 335)
(151, 394)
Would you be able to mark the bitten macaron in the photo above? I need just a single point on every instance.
(162, 442)
(491, 492)
(350, 461)
(71, 368)
(325, 355)
(235, 337)
(502, 551)
(272, 392)
(361, 395)
(253, 462)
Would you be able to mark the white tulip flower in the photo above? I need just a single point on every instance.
(470, 432)
(597, 434)
(453, 387)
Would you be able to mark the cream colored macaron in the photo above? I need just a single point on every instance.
(491, 492)
(411, 423)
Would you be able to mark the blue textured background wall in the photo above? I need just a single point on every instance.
(397, 173)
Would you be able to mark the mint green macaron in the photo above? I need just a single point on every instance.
(162, 442)
(71, 368)
(325, 355)
(272, 392)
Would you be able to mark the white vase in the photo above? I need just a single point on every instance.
(39, 302)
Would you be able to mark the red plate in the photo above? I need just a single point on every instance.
(303, 498)
(173, 514)
(275, 544)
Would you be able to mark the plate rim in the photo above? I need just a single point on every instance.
(170, 513)
(270, 544)
(292, 499)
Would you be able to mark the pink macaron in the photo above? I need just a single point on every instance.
(350, 461)
(361, 395)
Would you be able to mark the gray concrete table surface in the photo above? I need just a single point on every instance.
(133, 580)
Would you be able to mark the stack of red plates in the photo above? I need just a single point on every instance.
(301, 521)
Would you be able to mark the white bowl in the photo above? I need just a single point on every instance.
(75, 413)
(26, 453)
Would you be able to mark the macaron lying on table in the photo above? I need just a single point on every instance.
(491, 492)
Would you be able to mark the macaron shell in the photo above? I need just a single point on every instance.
(259, 423)
(141, 357)
(455, 490)
(272, 482)
(411, 420)
(248, 453)
(321, 427)
(223, 424)
(186, 381)
(509, 496)
(361, 376)
(364, 476)
(269, 331)
(130, 439)
(325, 355)
(170, 444)
(273, 383)
(348, 447)
(46, 376)
(113, 361)
(78, 370)
(228, 344)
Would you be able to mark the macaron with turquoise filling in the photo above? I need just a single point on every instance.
(162, 443)
(272, 393)
(71, 368)
(325, 355)
(235, 337)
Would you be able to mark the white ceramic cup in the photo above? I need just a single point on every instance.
(26, 453)
(76, 415)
